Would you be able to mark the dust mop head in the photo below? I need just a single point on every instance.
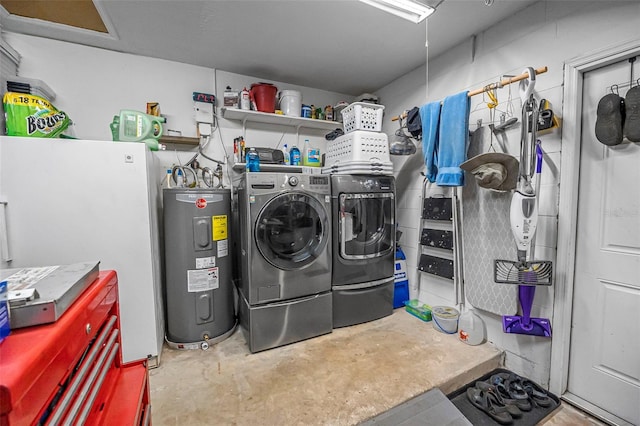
(525, 273)
(514, 324)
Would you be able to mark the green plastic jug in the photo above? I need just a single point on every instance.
(136, 126)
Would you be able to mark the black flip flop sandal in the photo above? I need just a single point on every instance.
(490, 405)
(632, 114)
(538, 395)
(522, 404)
(510, 404)
(511, 383)
(610, 119)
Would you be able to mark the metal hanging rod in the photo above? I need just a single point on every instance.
(630, 83)
(506, 82)
(614, 87)
(499, 85)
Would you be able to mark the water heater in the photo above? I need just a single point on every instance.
(198, 267)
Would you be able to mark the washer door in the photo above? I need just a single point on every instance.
(292, 230)
(366, 225)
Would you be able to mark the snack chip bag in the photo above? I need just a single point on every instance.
(30, 115)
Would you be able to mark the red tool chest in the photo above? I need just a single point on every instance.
(71, 371)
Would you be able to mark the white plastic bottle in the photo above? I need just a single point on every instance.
(305, 152)
(310, 156)
(285, 153)
(169, 177)
(180, 180)
(471, 328)
(245, 99)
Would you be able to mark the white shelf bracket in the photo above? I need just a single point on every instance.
(244, 126)
(298, 134)
(4, 239)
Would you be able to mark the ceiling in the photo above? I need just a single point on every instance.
(344, 46)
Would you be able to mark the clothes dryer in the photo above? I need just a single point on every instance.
(362, 280)
(285, 258)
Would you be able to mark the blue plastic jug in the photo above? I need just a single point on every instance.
(253, 160)
(401, 291)
(295, 156)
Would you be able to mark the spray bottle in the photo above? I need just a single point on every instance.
(285, 153)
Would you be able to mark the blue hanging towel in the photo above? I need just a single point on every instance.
(453, 139)
(430, 117)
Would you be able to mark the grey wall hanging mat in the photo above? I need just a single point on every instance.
(487, 236)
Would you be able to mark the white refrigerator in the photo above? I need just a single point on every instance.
(67, 201)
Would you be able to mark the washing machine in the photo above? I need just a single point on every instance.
(285, 258)
(363, 209)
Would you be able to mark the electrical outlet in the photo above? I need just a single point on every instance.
(204, 129)
(203, 112)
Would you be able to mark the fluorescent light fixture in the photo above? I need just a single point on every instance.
(410, 10)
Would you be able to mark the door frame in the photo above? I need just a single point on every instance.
(574, 70)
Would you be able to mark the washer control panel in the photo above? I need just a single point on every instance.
(266, 182)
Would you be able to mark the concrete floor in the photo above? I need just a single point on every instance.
(341, 378)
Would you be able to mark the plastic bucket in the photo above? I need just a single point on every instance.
(445, 319)
(291, 102)
(264, 95)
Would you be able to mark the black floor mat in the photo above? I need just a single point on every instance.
(479, 417)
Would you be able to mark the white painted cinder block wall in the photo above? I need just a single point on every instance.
(92, 85)
(546, 34)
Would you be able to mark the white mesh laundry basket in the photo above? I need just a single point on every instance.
(362, 116)
(358, 145)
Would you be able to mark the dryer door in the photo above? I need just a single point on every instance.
(292, 230)
(367, 225)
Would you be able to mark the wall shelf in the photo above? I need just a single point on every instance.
(283, 120)
(279, 168)
(180, 140)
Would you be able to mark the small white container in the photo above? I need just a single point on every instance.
(245, 99)
(362, 116)
(231, 98)
(290, 102)
(445, 319)
(356, 146)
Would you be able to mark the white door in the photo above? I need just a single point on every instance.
(604, 360)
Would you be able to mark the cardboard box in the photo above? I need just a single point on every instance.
(230, 98)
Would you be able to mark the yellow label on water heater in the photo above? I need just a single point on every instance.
(219, 227)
